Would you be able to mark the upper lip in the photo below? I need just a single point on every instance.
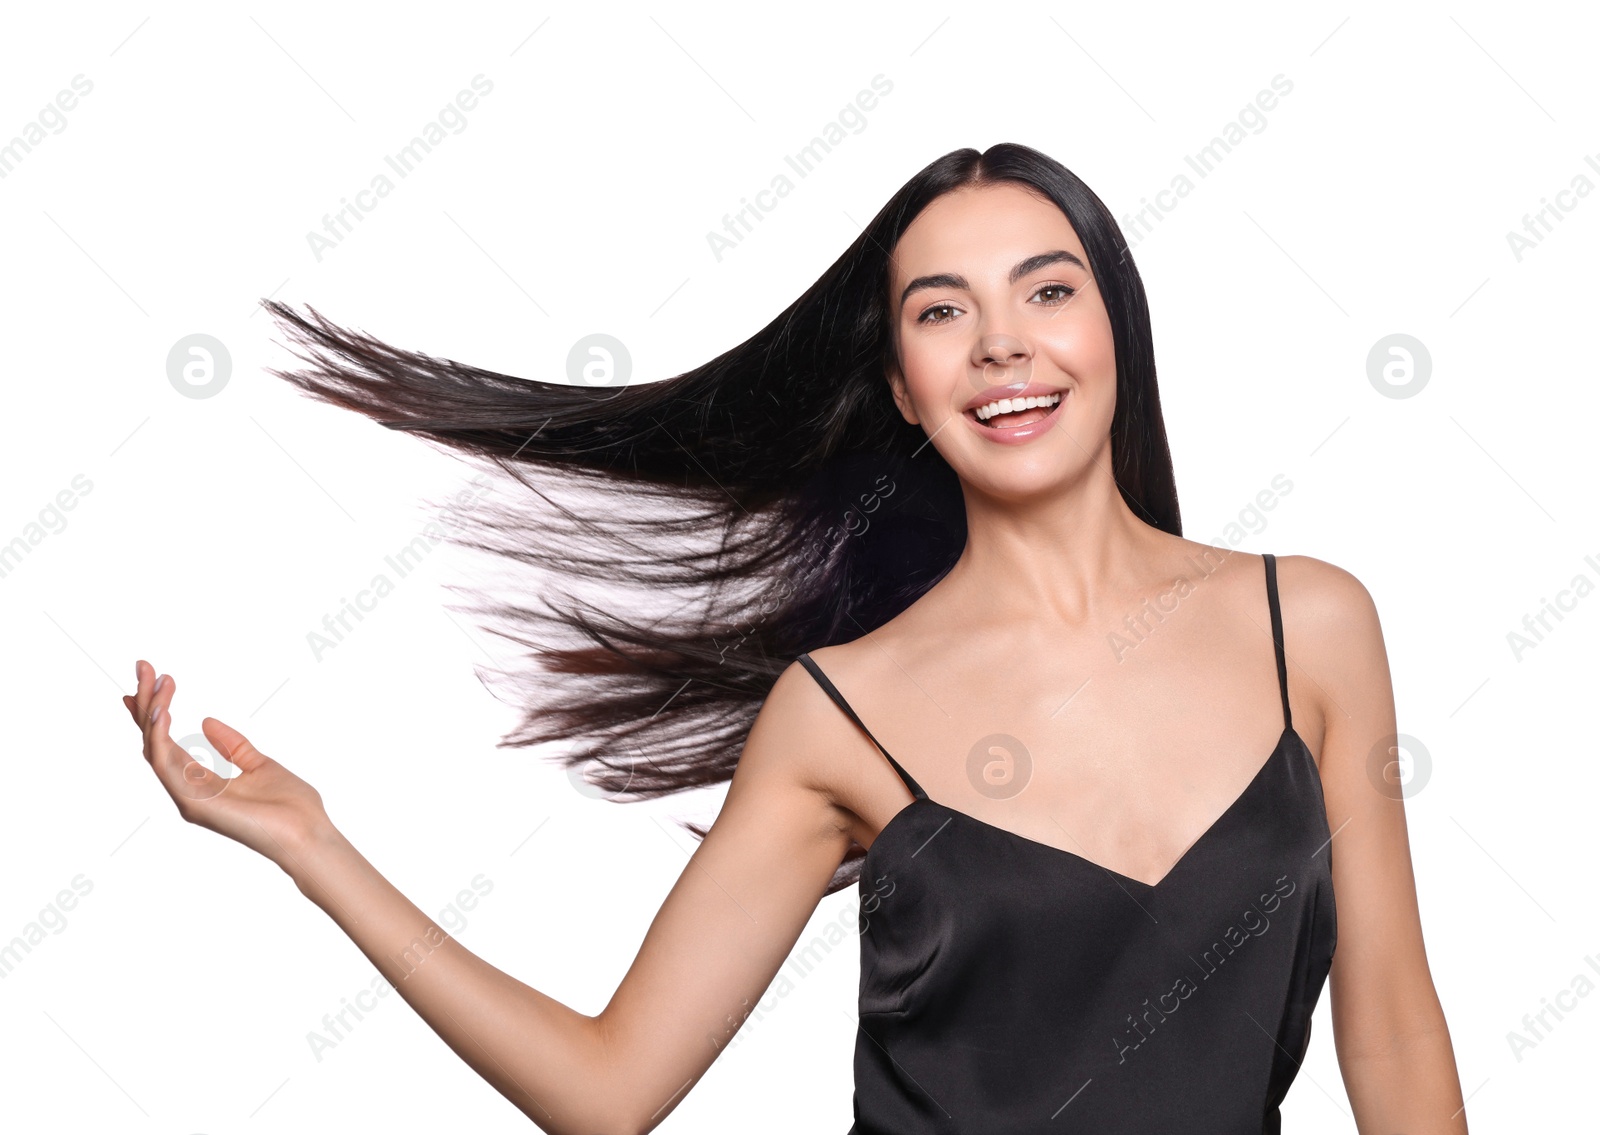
(995, 393)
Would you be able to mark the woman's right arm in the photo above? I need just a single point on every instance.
(712, 950)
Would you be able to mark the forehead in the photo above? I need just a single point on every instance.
(981, 231)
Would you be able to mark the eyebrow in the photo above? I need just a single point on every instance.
(1019, 270)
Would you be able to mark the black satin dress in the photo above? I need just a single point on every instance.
(1010, 986)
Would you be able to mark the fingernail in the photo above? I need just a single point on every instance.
(159, 680)
(154, 713)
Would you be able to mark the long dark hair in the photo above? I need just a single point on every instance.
(677, 544)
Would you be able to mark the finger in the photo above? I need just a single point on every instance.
(234, 746)
(183, 775)
(159, 698)
(144, 690)
(155, 718)
(157, 723)
(132, 702)
(139, 694)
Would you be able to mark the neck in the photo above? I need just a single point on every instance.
(1056, 556)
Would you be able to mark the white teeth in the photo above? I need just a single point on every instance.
(1010, 405)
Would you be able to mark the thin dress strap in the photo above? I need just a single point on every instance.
(833, 692)
(1277, 634)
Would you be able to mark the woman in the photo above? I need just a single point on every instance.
(942, 481)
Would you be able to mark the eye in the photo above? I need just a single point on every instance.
(1064, 291)
(923, 318)
(1068, 291)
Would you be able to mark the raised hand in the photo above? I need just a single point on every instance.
(265, 807)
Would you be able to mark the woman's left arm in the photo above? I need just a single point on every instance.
(1389, 1029)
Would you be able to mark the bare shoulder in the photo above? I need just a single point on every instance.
(1333, 637)
(1322, 604)
(1322, 591)
(801, 736)
(1330, 610)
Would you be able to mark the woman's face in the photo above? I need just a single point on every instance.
(991, 297)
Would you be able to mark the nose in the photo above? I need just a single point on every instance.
(1002, 359)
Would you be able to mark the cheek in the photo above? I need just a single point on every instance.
(934, 372)
(1085, 349)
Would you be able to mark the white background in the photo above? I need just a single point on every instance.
(218, 532)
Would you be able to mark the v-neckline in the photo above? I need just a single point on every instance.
(1148, 888)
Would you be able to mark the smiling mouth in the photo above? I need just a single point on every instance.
(1015, 419)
